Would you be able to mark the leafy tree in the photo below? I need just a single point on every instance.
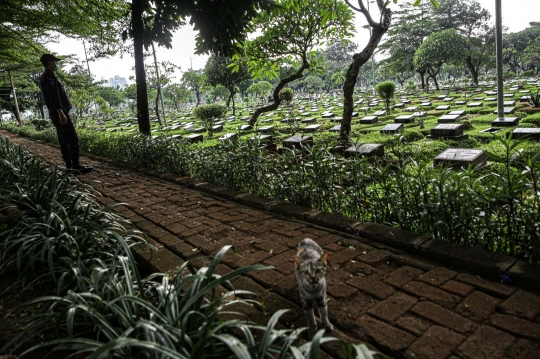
(207, 114)
(217, 92)
(386, 91)
(531, 56)
(313, 83)
(260, 89)
(409, 29)
(194, 80)
(166, 71)
(472, 21)
(111, 95)
(378, 29)
(177, 94)
(291, 34)
(442, 47)
(220, 26)
(515, 45)
(218, 72)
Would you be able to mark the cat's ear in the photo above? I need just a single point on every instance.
(297, 260)
(324, 258)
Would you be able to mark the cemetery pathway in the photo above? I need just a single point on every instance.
(404, 306)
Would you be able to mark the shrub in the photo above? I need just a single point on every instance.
(40, 124)
(534, 99)
(207, 113)
(386, 91)
(286, 95)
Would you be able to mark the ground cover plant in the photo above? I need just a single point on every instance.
(102, 306)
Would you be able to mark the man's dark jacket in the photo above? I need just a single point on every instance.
(53, 92)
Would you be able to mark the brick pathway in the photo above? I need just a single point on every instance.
(403, 305)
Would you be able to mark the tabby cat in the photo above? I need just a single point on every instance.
(310, 268)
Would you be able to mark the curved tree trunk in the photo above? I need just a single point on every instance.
(378, 30)
(472, 69)
(277, 101)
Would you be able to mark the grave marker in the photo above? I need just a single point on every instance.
(369, 120)
(380, 113)
(265, 129)
(392, 128)
(365, 150)
(526, 133)
(312, 128)
(442, 108)
(228, 136)
(461, 158)
(404, 119)
(448, 118)
(475, 104)
(194, 138)
(309, 120)
(298, 142)
(448, 131)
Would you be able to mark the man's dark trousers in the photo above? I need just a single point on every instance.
(67, 138)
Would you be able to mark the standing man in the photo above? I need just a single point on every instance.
(58, 105)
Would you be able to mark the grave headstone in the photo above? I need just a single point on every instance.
(420, 114)
(442, 108)
(194, 138)
(411, 108)
(491, 130)
(461, 158)
(245, 128)
(245, 118)
(217, 128)
(380, 113)
(228, 136)
(312, 128)
(507, 111)
(448, 118)
(298, 142)
(336, 128)
(265, 129)
(392, 128)
(365, 150)
(509, 103)
(474, 104)
(525, 133)
(404, 119)
(336, 119)
(262, 139)
(369, 119)
(426, 104)
(399, 105)
(305, 114)
(309, 120)
(327, 114)
(448, 131)
(505, 122)
(460, 102)
(448, 99)
(175, 137)
(457, 112)
(354, 114)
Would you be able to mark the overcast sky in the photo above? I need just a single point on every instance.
(517, 14)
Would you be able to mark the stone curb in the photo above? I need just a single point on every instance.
(475, 260)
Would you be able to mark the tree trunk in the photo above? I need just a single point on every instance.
(143, 116)
(198, 98)
(472, 69)
(273, 106)
(233, 105)
(352, 73)
(157, 109)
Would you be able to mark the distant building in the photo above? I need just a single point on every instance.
(116, 81)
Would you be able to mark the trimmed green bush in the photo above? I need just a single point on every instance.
(386, 91)
(207, 113)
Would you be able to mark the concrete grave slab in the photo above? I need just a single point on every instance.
(369, 120)
(525, 133)
(298, 142)
(365, 150)
(505, 122)
(392, 128)
(507, 111)
(312, 128)
(475, 104)
(448, 118)
(404, 119)
(461, 157)
(380, 113)
(265, 129)
(457, 112)
(448, 131)
(228, 136)
(442, 108)
(194, 138)
(309, 120)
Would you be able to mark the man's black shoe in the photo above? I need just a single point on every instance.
(80, 169)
